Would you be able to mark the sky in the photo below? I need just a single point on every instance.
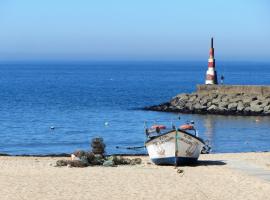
(134, 30)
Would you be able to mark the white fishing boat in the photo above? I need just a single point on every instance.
(177, 146)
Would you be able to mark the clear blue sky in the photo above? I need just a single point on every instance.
(134, 30)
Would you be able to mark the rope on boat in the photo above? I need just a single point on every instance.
(130, 148)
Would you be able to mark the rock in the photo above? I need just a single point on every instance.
(255, 102)
(225, 99)
(189, 106)
(240, 106)
(192, 98)
(197, 106)
(254, 98)
(265, 103)
(216, 101)
(180, 107)
(235, 100)
(246, 100)
(212, 108)
(174, 101)
(221, 109)
(247, 109)
(266, 109)
(183, 97)
(232, 107)
(203, 102)
(209, 104)
(223, 104)
(261, 98)
(256, 108)
(213, 95)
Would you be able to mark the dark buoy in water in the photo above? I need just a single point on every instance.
(52, 127)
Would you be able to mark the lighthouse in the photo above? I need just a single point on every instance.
(211, 74)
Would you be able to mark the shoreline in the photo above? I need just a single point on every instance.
(65, 155)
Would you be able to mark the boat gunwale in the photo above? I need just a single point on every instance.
(154, 137)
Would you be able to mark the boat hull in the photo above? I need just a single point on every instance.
(174, 148)
(174, 161)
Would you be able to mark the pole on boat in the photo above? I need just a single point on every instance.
(176, 147)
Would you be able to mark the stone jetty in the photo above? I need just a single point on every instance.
(220, 99)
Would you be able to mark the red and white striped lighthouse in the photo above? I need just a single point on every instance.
(211, 74)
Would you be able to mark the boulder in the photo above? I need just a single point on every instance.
(235, 100)
(212, 108)
(192, 98)
(246, 100)
(221, 110)
(247, 110)
(183, 96)
(240, 106)
(203, 102)
(223, 104)
(189, 106)
(266, 109)
(209, 104)
(213, 95)
(225, 99)
(255, 102)
(260, 97)
(232, 107)
(180, 107)
(256, 108)
(216, 101)
(198, 106)
(265, 103)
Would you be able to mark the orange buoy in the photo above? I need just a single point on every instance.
(158, 126)
(186, 127)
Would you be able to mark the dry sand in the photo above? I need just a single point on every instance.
(37, 178)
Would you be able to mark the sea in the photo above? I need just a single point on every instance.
(58, 107)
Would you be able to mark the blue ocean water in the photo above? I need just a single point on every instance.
(88, 99)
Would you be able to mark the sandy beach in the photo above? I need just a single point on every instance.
(216, 176)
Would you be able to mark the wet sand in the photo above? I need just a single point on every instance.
(216, 176)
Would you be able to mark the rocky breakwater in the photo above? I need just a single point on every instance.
(212, 101)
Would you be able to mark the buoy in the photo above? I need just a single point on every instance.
(106, 123)
(158, 126)
(186, 127)
(52, 127)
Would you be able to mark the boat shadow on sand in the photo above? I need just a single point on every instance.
(207, 163)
